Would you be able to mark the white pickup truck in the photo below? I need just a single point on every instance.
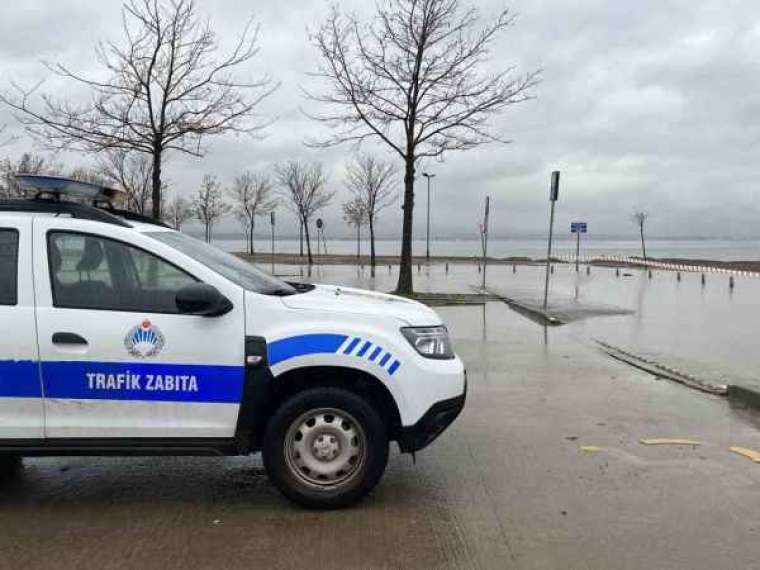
(122, 336)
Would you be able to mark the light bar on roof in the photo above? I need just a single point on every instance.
(66, 186)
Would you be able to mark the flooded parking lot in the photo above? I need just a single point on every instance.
(706, 327)
(544, 469)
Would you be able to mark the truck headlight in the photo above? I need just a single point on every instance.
(430, 342)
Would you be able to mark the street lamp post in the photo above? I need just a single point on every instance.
(427, 241)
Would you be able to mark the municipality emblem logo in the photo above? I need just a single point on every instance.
(144, 340)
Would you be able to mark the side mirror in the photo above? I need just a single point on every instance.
(202, 299)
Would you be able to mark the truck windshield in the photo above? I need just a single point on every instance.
(233, 268)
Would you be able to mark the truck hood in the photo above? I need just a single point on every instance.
(334, 299)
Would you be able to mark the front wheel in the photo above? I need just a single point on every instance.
(325, 448)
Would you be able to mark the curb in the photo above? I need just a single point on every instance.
(748, 396)
(544, 317)
(664, 371)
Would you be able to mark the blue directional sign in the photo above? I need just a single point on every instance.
(578, 227)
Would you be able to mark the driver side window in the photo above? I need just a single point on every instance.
(92, 272)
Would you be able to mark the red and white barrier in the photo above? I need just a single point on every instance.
(651, 264)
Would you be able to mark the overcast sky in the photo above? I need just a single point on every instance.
(650, 104)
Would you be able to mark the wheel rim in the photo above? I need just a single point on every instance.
(325, 447)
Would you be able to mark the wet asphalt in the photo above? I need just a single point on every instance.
(544, 469)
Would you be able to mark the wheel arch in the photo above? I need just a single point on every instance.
(358, 381)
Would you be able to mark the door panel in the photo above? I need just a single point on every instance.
(144, 371)
(21, 405)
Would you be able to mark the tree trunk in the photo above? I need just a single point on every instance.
(156, 181)
(305, 227)
(358, 242)
(250, 243)
(643, 246)
(371, 246)
(404, 286)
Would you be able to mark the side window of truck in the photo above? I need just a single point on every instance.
(8, 266)
(92, 272)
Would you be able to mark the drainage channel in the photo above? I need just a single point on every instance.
(662, 370)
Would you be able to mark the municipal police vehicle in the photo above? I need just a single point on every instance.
(121, 336)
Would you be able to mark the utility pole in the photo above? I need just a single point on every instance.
(485, 241)
(271, 221)
(427, 249)
(553, 195)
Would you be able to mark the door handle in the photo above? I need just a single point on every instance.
(68, 338)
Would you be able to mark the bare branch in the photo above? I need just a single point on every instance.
(7, 140)
(177, 211)
(372, 182)
(303, 187)
(27, 163)
(251, 195)
(208, 205)
(133, 172)
(166, 87)
(412, 77)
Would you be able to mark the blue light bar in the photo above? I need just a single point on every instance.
(61, 185)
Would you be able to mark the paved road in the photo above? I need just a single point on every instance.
(506, 487)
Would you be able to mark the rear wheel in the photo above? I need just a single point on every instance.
(325, 448)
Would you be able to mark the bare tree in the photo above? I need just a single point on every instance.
(372, 182)
(208, 205)
(410, 78)
(252, 196)
(167, 90)
(355, 214)
(28, 163)
(87, 174)
(133, 172)
(177, 210)
(303, 188)
(639, 218)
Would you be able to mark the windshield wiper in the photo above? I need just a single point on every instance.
(280, 292)
(301, 287)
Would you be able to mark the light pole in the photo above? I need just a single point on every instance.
(427, 243)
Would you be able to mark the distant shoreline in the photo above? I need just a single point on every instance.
(385, 260)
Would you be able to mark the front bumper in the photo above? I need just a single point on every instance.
(432, 423)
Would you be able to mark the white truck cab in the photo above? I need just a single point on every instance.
(123, 336)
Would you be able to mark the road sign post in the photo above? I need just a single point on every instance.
(271, 221)
(484, 238)
(577, 228)
(553, 195)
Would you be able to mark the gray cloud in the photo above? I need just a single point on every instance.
(644, 104)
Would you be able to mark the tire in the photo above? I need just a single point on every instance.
(10, 466)
(325, 448)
